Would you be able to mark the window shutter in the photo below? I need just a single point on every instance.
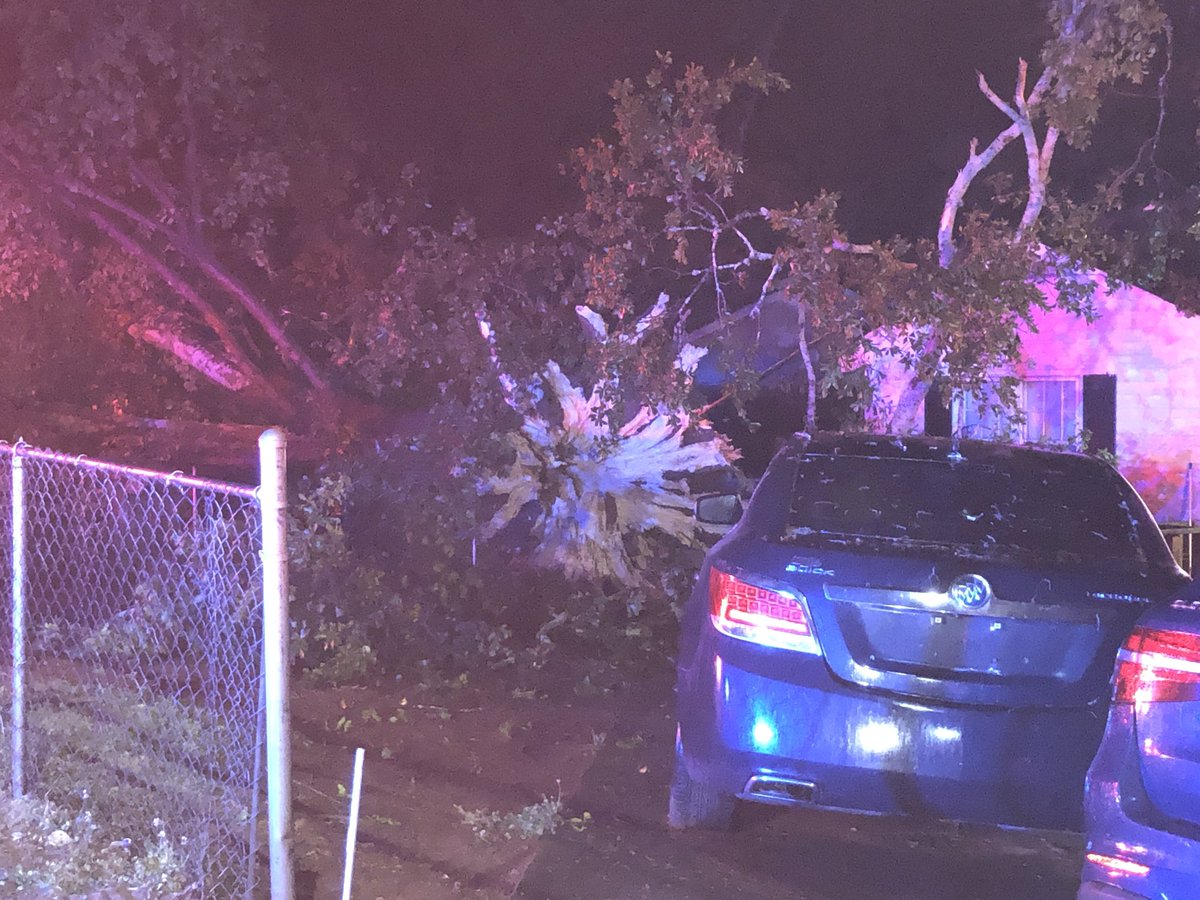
(937, 413)
(1100, 411)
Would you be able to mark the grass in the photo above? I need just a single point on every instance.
(126, 791)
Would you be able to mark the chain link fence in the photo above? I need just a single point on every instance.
(137, 690)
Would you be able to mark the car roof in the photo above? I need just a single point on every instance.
(923, 447)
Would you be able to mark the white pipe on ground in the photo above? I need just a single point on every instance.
(352, 825)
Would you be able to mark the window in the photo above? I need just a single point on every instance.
(1051, 408)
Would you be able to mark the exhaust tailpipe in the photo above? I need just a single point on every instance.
(776, 789)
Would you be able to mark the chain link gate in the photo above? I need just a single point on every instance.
(139, 696)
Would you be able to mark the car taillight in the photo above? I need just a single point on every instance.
(1158, 665)
(752, 613)
(1118, 866)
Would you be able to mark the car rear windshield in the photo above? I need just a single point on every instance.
(1023, 509)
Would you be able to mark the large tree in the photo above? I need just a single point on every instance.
(147, 158)
(152, 162)
(666, 232)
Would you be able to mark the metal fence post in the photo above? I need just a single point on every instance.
(272, 456)
(18, 623)
(1191, 520)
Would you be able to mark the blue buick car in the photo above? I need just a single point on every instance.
(917, 626)
(1143, 789)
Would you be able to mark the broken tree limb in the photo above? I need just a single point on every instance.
(195, 356)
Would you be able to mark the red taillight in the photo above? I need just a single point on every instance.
(753, 613)
(1118, 866)
(1157, 665)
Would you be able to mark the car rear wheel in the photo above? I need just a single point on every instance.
(693, 804)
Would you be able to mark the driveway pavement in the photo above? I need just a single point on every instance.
(626, 851)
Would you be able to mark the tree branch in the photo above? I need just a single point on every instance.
(191, 164)
(810, 374)
(1038, 158)
(192, 354)
(193, 248)
(1149, 147)
(258, 311)
(753, 254)
(155, 186)
(66, 197)
(995, 98)
(722, 309)
(111, 203)
(178, 284)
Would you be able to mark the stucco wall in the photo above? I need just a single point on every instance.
(1154, 350)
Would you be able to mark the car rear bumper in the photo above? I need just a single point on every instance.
(847, 747)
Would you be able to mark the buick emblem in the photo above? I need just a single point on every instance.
(970, 591)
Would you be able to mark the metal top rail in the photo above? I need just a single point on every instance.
(27, 451)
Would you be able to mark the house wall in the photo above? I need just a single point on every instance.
(1154, 350)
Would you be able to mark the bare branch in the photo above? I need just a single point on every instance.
(1039, 88)
(707, 216)
(723, 267)
(752, 253)
(995, 98)
(685, 309)
(721, 215)
(237, 357)
(810, 375)
(136, 217)
(766, 285)
(976, 163)
(1038, 158)
(722, 308)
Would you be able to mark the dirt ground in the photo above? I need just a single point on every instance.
(488, 748)
(476, 749)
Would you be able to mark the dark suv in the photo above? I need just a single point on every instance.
(912, 626)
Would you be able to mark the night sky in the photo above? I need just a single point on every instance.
(488, 96)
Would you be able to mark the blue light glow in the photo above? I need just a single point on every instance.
(945, 734)
(877, 737)
(764, 735)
